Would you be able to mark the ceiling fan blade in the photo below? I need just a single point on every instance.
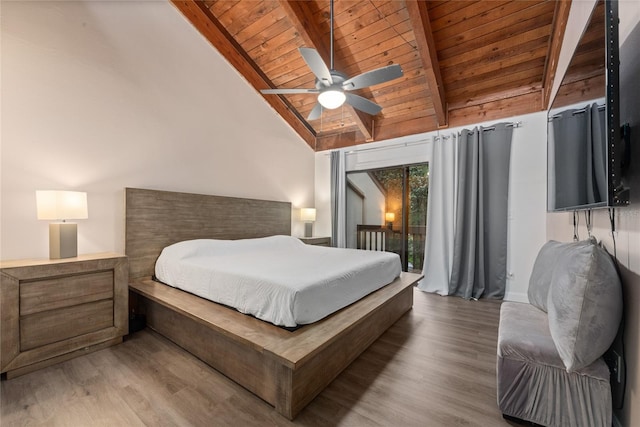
(317, 65)
(373, 77)
(315, 113)
(363, 104)
(288, 91)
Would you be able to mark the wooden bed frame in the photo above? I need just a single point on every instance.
(286, 369)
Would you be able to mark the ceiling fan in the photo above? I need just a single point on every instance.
(333, 87)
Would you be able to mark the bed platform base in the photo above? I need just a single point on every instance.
(286, 369)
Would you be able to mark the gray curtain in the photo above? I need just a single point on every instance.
(441, 212)
(599, 150)
(480, 237)
(338, 200)
(570, 154)
(579, 156)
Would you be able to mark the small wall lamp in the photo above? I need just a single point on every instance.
(308, 215)
(60, 206)
(389, 217)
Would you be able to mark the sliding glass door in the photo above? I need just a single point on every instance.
(387, 211)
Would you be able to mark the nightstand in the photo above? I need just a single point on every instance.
(53, 310)
(317, 241)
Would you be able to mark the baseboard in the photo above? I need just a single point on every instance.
(616, 422)
(516, 297)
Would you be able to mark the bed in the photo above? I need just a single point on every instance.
(285, 368)
(278, 279)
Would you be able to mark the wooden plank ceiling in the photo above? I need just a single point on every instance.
(464, 61)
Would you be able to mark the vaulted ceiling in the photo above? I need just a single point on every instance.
(464, 62)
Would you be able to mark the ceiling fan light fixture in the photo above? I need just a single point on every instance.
(331, 99)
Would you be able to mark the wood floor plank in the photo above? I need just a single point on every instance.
(434, 367)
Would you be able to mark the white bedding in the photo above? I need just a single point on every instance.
(278, 279)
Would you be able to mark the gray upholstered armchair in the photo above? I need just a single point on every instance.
(550, 369)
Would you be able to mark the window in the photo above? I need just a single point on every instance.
(387, 211)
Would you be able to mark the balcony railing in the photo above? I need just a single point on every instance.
(380, 238)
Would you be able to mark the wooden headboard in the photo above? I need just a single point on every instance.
(155, 219)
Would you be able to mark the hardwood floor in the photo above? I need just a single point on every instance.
(434, 367)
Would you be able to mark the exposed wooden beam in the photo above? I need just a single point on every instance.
(203, 20)
(560, 17)
(364, 122)
(302, 19)
(419, 17)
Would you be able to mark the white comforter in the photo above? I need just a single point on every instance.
(278, 279)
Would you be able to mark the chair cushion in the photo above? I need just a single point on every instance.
(584, 304)
(523, 334)
(541, 275)
(540, 279)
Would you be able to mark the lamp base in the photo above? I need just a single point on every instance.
(308, 229)
(63, 240)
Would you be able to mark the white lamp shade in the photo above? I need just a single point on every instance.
(308, 214)
(331, 98)
(390, 216)
(57, 205)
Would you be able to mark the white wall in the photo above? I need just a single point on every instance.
(101, 95)
(323, 194)
(367, 206)
(374, 200)
(527, 187)
(353, 217)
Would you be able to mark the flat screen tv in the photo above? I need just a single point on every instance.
(585, 146)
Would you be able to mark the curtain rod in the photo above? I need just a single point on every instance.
(580, 111)
(421, 141)
(389, 147)
(512, 124)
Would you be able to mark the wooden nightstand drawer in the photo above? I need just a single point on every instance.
(49, 294)
(60, 324)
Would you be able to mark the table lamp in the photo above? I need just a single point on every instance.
(308, 215)
(60, 206)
